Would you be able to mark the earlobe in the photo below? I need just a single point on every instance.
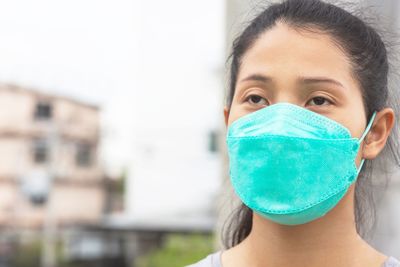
(376, 139)
(226, 115)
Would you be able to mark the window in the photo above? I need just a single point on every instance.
(83, 155)
(213, 141)
(43, 111)
(40, 151)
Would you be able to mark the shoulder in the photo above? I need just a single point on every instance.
(212, 260)
(391, 262)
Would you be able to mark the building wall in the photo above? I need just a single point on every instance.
(76, 191)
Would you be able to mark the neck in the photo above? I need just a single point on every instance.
(328, 241)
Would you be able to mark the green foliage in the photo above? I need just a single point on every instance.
(28, 254)
(179, 251)
(121, 181)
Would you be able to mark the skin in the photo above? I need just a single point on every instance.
(299, 67)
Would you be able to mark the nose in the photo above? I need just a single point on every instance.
(285, 97)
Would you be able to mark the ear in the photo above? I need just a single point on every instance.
(226, 115)
(376, 139)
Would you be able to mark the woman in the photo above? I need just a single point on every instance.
(308, 104)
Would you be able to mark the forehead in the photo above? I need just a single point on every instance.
(283, 50)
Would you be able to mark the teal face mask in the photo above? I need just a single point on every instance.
(291, 165)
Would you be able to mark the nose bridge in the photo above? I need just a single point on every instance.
(286, 95)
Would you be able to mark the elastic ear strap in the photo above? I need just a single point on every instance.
(363, 136)
(368, 127)
(359, 167)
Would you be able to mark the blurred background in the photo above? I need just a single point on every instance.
(112, 142)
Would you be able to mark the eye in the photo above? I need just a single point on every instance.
(256, 100)
(319, 101)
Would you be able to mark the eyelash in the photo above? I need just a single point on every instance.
(262, 98)
(321, 97)
(254, 95)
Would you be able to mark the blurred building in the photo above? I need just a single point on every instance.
(48, 159)
(174, 175)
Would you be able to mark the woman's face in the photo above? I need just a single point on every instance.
(303, 68)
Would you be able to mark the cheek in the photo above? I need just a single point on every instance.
(232, 116)
(237, 110)
(356, 125)
(235, 113)
(351, 113)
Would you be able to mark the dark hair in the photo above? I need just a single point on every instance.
(370, 67)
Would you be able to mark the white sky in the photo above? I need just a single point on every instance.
(95, 50)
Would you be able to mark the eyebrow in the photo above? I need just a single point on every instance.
(308, 80)
(304, 80)
(258, 78)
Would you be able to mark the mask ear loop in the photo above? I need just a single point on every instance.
(363, 136)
